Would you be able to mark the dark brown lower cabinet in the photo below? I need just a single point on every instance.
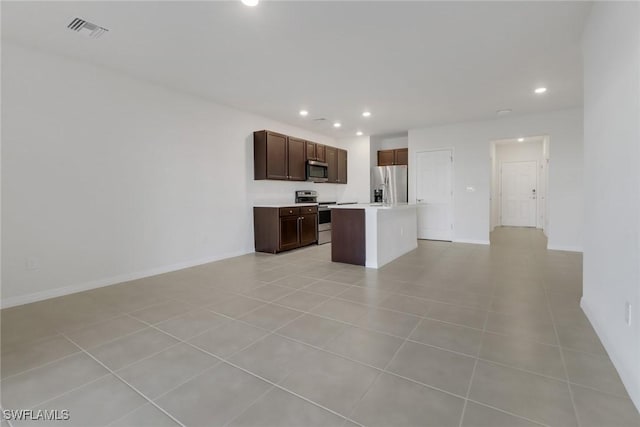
(282, 229)
(308, 229)
(289, 233)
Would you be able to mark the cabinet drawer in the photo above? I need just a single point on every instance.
(289, 211)
(309, 209)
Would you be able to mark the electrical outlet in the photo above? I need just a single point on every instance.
(33, 263)
(627, 313)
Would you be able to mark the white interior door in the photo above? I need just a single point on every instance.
(518, 185)
(434, 194)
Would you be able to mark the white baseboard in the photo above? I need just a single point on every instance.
(72, 289)
(473, 241)
(626, 374)
(564, 248)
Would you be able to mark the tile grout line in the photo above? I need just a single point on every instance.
(337, 297)
(78, 387)
(322, 349)
(275, 331)
(40, 366)
(129, 385)
(475, 364)
(228, 362)
(129, 315)
(256, 400)
(562, 358)
(384, 370)
(225, 360)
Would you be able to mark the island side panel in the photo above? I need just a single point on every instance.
(348, 243)
(397, 234)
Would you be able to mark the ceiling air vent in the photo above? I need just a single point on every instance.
(87, 28)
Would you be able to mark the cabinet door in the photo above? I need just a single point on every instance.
(385, 158)
(321, 153)
(308, 229)
(276, 156)
(342, 166)
(332, 161)
(311, 150)
(289, 231)
(297, 159)
(402, 156)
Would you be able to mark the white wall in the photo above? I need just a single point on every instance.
(517, 152)
(493, 195)
(611, 48)
(106, 178)
(358, 170)
(472, 167)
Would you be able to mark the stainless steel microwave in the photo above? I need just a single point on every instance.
(317, 171)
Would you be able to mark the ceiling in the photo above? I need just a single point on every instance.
(412, 64)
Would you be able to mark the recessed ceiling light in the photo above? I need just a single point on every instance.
(359, 133)
(366, 114)
(520, 139)
(337, 125)
(540, 90)
(503, 112)
(250, 2)
(304, 113)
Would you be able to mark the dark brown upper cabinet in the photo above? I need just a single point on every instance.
(316, 152)
(282, 157)
(296, 161)
(321, 153)
(277, 156)
(332, 161)
(393, 157)
(402, 156)
(342, 166)
(311, 150)
(386, 157)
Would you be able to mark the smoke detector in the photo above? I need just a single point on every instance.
(87, 28)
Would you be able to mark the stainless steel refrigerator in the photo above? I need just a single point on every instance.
(392, 180)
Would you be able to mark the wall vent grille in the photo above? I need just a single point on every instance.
(81, 26)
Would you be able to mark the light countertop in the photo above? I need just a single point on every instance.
(284, 205)
(375, 206)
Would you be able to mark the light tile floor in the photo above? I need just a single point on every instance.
(447, 335)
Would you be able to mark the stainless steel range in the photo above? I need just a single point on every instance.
(324, 222)
(324, 213)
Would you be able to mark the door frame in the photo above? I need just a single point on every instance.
(537, 204)
(453, 177)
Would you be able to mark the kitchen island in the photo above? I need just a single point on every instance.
(372, 234)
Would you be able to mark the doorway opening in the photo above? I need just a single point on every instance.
(519, 182)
